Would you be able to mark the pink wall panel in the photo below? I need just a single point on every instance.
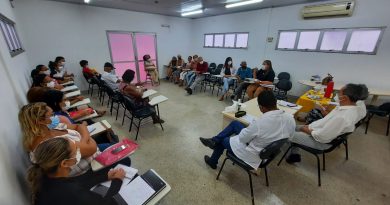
(122, 67)
(145, 45)
(121, 47)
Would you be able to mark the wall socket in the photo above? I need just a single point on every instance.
(270, 39)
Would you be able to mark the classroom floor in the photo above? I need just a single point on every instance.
(177, 155)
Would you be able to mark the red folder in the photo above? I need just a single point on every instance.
(117, 152)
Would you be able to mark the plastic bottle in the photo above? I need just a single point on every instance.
(329, 89)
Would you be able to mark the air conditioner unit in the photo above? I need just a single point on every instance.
(332, 9)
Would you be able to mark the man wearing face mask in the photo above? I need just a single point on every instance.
(42, 80)
(242, 73)
(109, 76)
(339, 121)
(200, 69)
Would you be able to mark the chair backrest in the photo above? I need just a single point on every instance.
(86, 76)
(284, 85)
(110, 92)
(129, 103)
(220, 66)
(339, 139)
(271, 151)
(284, 75)
(212, 66)
(385, 107)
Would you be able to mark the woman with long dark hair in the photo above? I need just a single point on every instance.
(227, 72)
(266, 75)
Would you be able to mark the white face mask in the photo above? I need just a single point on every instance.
(51, 84)
(63, 63)
(78, 158)
(229, 63)
(47, 72)
(201, 62)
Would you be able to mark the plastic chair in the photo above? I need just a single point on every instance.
(283, 86)
(266, 155)
(382, 111)
(284, 75)
(341, 139)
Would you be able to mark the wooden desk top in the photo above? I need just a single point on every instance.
(253, 109)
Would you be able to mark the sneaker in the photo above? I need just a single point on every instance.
(207, 160)
(158, 121)
(189, 91)
(293, 158)
(208, 142)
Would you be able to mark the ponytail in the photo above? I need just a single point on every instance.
(34, 177)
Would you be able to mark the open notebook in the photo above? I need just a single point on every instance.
(98, 127)
(79, 103)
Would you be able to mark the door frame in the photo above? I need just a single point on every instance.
(133, 37)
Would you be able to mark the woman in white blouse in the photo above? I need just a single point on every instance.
(227, 72)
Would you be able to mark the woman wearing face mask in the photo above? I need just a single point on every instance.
(227, 72)
(40, 69)
(151, 68)
(42, 80)
(184, 73)
(266, 75)
(39, 124)
(51, 180)
(57, 102)
(57, 70)
(172, 66)
(180, 66)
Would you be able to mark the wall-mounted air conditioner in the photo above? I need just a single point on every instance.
(344, 8)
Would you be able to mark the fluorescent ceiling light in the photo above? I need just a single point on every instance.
(192, 12)
(87, 1)
(242, 3)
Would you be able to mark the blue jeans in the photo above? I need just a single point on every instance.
(190, 77)
(104, 146)
(223, 140)
(226, 83)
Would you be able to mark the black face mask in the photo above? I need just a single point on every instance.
(243, 67)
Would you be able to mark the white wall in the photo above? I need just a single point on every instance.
(14, 82)
(372, 70)
(79, 32)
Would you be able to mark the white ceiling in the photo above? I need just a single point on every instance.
(175, 7)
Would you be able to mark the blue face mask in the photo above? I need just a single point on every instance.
(55, 120)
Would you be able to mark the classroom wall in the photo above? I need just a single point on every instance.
(372, 70)
(79, 32)
(14, 82)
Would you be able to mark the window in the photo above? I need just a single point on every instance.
(333, 40)
(208, 40)
(242, 40)
(10, 35)
(364, 41)
(344, 40)
(226, 40)
(218, 40)
(308, 40)
(287, 40)
(230, 40)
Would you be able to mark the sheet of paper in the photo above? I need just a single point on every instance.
(94, 114)
(72, 94)
(130, 171)
(149, 93)
(79, 103)
(69, 88)
(158, 99)
(289, 105)
(137, 192)
(96, 128)
(67, 83)
(125, 182)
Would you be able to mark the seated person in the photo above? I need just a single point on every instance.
(201, 68)
(36, 94)
(227, 71)
(248, 142)
(88, 71)
(135, 93)
(266, 75)
(191, 74)
(242, 73)
(57, 70)
(109, 76)
(40, 69)
(172, 66)
(43, 80)
(180, 66)
(339, 121)
(183, 73)
(38, 124)
(51, 181)
(151, 68)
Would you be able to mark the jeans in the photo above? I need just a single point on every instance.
(104, 146)
(239, 89)
(190, 77)
(223, 140)
(226, 83)
(198, 78)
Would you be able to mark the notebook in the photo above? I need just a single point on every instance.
(148, 93)
(69, 88)
(79, 103)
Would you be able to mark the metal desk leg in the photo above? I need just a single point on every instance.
(158, 111)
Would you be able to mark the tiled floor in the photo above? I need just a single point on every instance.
(177, 155)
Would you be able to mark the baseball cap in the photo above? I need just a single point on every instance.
(107, 64)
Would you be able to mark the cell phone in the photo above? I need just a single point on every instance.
(118, 149)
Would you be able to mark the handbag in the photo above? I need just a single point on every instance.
(117, 152)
